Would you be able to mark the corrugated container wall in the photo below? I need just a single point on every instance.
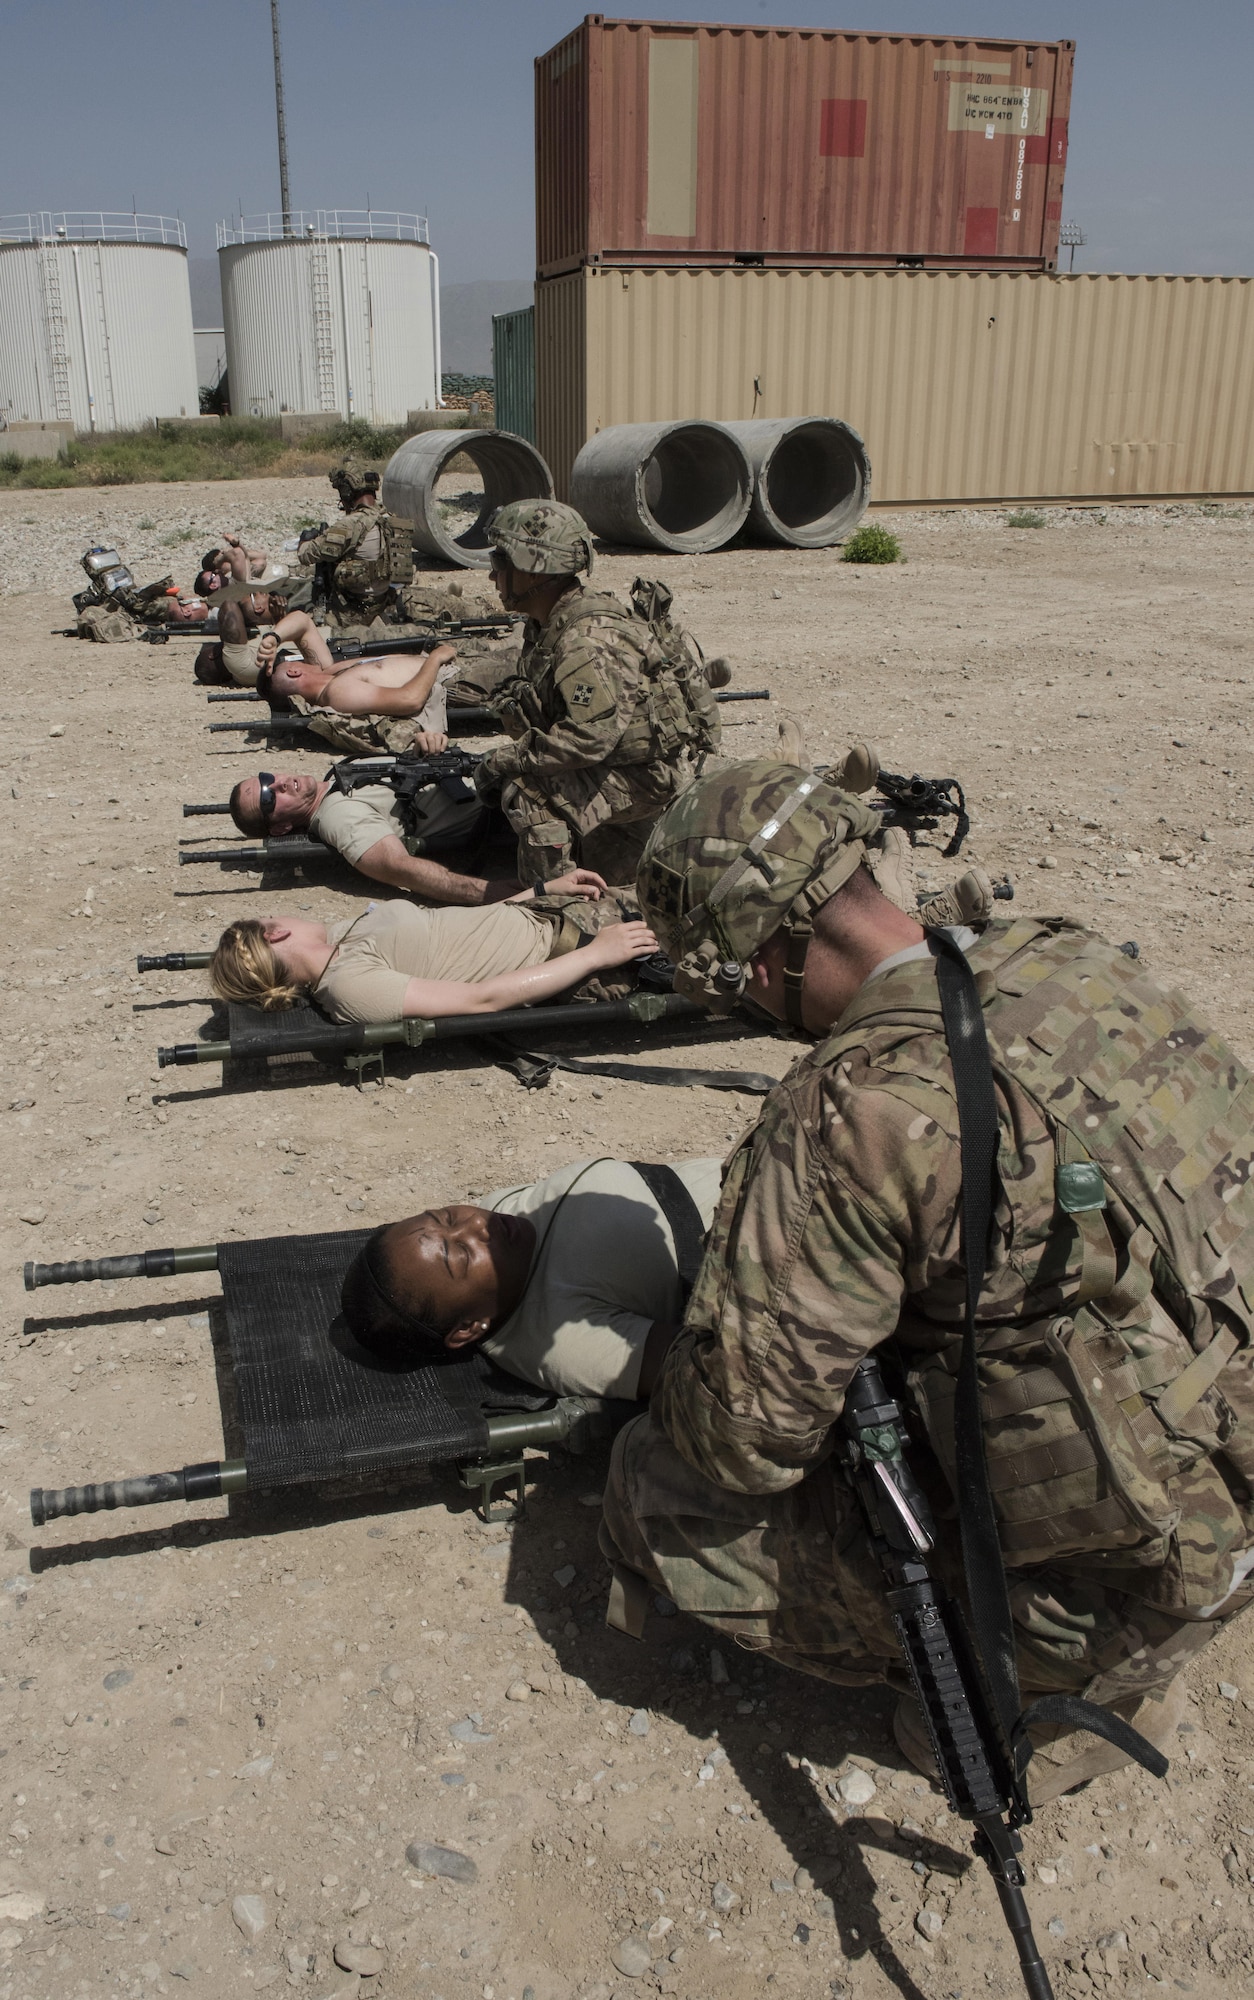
(95, 333)
(326, 323)
(965, 386)
(659, 143)
(514, 371)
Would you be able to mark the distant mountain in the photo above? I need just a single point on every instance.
(466, 321)
(206, 291)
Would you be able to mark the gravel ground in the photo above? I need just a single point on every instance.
(223, 1725)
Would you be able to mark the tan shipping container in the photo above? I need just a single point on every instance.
(967, 386)
(674, 143)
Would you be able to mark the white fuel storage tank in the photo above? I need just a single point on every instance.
(331, 311)
(95, 320)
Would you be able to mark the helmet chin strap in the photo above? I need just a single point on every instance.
(799, 939)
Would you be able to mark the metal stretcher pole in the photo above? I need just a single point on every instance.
(458, 718)
(147, 1489)
(173, 961)
(330, 1039)
(508, 1434)
(290, 848)
(136, 1264)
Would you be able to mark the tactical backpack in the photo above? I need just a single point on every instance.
(1108, 1425)
(683, 710)
(392, 568)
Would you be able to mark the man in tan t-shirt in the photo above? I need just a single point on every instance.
(366, 828)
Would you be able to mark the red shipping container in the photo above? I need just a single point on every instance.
(671, 143)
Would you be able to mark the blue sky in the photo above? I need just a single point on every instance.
(427, 104)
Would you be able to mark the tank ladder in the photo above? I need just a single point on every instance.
(54, 328)
(323, 330)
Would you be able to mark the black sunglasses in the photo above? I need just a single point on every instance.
(265, 793)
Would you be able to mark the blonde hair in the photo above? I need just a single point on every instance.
(246, 971)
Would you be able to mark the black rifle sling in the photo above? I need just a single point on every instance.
(534, 1071)
(987, 1592)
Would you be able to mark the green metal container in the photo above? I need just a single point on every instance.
(514, 371)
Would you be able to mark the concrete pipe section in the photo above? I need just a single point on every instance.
(450, 524)
(681, 486)
(811, 479)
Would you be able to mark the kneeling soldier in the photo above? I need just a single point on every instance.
(607, 718)
(1112, 1332)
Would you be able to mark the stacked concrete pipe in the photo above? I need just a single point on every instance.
(811, 479)
(511, 469)
(680, 486)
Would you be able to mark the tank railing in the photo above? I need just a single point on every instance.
(346, 224)
(92, 226)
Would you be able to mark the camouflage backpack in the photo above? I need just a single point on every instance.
(393, 567)
(683, 710)
(1119, 1432)
(108, 623)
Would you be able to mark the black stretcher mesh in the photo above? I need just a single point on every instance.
(253, 1032)
(310, 1411)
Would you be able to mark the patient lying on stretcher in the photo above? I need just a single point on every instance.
(572, 1282)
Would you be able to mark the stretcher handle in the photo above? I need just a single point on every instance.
(293, 849)
(173, 961)
(197, 812)
(193, 1482)
(136, 1264)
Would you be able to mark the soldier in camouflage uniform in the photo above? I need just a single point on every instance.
(369, 553)
(1114, 1330)
(608, 711)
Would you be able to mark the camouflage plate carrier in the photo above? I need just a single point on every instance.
(1120, 1432)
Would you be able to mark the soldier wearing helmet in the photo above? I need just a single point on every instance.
(367, 557)
(607, 713)
(1113, 1330)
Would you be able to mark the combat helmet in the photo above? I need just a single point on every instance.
(351, 478)
(542, 537)
(741, 854)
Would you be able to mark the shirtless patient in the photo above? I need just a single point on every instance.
(396, 684)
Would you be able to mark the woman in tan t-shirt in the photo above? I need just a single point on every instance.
(396, 960)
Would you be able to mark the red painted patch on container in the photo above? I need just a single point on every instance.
(1057, 142)
(1036, 150)
(981, 233)
(842, 128)
(1053, 211)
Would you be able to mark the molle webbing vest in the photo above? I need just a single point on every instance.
(1119, 1427)
(675, 710)
(394, 564)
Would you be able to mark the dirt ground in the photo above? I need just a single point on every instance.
(265, 1699)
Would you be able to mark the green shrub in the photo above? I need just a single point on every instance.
(1025, 517)
(872, 544)
(357, 439)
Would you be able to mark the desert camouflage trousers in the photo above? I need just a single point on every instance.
(598, 818)
(790, 1574)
